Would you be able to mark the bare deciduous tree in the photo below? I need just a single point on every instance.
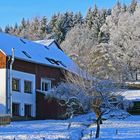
(105, 97)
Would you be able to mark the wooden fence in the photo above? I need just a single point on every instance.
(5, 119)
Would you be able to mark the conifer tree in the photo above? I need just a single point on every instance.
(7, 29)
(43, 27)
(77, 19)
(1, 29)
(132, 6)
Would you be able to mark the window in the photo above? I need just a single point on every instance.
(138, 75)
(45, 84)
(15, 109)
(26, 54)
(15, 84)
(27, 110)
(27, 86)
(46, 47)
(136, 105)
(62, 63)
(22, 41)
(52, 61)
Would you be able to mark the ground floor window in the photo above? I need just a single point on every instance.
(15, 109)
(136, 105)
(27, 110)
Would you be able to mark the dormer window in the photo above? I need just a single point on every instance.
(26, 54)
(52, 61)
(22, 41)
(46, 47)
(60, 62)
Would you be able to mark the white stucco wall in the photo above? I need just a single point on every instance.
(2, 91)
(24, 98)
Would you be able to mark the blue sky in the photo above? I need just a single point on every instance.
(12, 11)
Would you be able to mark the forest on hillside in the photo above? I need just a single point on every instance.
(106, 42)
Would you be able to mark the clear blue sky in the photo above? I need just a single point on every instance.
(12, 11)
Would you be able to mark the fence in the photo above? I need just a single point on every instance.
(5, 119)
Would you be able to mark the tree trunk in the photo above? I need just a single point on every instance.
(99, 121)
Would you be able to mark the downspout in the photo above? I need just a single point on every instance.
(10, 82)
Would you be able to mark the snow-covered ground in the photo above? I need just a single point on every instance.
(60, 129)
(128, 128)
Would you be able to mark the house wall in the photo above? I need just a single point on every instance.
(2, 83)
(40, 71)
(26, 71)
(24, 98)
(49, 109)
(2, 91)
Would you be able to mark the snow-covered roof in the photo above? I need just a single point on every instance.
(133, 95)
(133, 82)
(46, 42)
(49, 54)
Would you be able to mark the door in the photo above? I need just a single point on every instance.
(15, 109)
(27, 110)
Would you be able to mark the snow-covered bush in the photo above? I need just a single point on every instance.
(72, 97)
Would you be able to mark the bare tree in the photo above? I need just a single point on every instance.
(105, 97)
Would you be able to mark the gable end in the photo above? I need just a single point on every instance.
(2, 60)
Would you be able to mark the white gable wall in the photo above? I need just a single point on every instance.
(2, 91)
(24, 98)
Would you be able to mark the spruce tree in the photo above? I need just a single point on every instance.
(77, 19)
(7, 29)
(1, 29)
(23, 23)
(132, 6)
(88, 18)
(43, 24)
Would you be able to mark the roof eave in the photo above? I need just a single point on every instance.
(3, 52)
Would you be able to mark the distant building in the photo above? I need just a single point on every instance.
(132, 94)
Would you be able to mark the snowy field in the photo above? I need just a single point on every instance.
(61, 130)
